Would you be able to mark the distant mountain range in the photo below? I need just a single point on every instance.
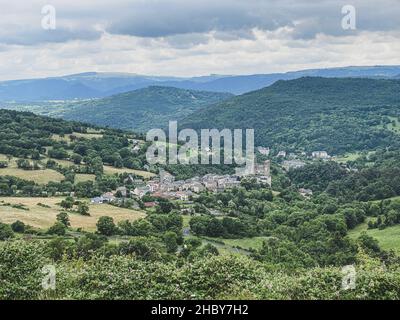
(312, 113)
(99, 85)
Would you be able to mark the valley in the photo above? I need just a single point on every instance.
(79, 190)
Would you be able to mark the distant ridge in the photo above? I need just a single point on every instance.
(99, 85)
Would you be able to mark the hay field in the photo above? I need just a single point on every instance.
(41, 217)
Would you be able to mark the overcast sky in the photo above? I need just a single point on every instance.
(187, 38)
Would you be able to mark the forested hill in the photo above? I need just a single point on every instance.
(142, 109)
(337, 115)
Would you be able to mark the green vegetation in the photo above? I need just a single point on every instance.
(336, 115)
(142, 109)
(270, 243)
(388, 238)
(129, 269)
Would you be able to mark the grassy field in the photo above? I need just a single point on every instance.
(44, 176)
(63, 163)
(84, 177)
(389, 238)
(246, 243)
(3, 157)
(233, 246)
(67, 139)
(38, 176)
(111, 170)
(42, 217)
(348, 157)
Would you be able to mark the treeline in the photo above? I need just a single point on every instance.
(375, 177)
(12, 186)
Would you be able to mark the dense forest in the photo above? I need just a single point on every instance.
(138, 110)
(336, 115)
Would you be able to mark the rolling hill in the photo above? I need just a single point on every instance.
(99, 85)
(333, 114)
(141, 109)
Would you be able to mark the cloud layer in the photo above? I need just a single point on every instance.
(185, 37)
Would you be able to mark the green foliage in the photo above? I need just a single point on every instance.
(20, 269)
(139, 272)
(64, 219)
(18, 226)
(171, 241)
(67, 203)
(83, 209)
(6, 232)
(141, 109)
(106, 226)
(143, 248)
(57, 228)
(318, 175)
(336, 115)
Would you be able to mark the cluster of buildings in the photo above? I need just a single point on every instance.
(293, 164)
(323, 155)
(165, 186)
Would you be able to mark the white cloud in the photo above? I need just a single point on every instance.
(186, 38)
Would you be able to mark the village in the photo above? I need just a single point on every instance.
(165, 185)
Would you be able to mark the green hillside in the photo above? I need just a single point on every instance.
(337, 115)
(142, 109)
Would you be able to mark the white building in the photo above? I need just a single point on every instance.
(263, 151)
(320, 155)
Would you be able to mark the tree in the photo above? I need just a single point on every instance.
(24, 164)
(18, 226)
(83, 209)
(142, 247)
(57, 247)
(77, 158)
(89, 243)
(165, 206)
(57, 228)
(58, 153)
(64, 219)
(96, 164)
(171, 241)
(5, 232)
(68, 203)
(209, 249)
(106, 226)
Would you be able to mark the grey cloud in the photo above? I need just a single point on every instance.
(184, 23)
(162, 19)
(39, 36)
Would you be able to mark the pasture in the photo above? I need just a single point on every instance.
(43, 217)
